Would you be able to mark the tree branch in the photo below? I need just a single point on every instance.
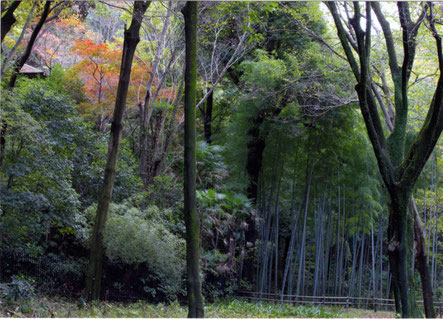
(393, 64)
(430, 132)
(367, 103)
(8, 19)
(344, 41)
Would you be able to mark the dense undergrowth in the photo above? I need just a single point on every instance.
(58, 307)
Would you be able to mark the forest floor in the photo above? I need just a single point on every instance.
(58, 307)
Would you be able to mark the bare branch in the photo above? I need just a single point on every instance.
(227, 66)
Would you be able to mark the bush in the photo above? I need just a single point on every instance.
(18, 293)
(141, 241)
(61, 274)
(36, 192)
(165, 192)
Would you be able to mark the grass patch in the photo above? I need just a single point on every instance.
(242, 308)
(365, 313)
(58, 307)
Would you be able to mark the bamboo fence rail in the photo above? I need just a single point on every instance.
(346, 301)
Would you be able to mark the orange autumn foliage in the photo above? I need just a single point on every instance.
(99, 69)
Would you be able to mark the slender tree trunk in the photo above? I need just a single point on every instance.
(343, 252)
(420, 260)
(17, 43)
(131, 39)
(435, 223)
(3, 131)
(290, 253)
(328, 251)
(360, 266)
(354, 262)
(157, 123)
(388, 282)
(301, 264)
(322, 243)
(319, 243)
(19, 64)
(143, 140)
(318, 221)
(271, 259)
(195, 299)
(374, 282)
(337, 246)
(207, 118)
(380, 255)
(169, 134)
(276, 246)
(8, 19)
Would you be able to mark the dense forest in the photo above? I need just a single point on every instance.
(190, 152)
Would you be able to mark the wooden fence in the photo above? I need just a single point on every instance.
(346, 302)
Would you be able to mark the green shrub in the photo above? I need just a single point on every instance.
(133, 239)
(165, 192)
(139, 238)
(36, 193)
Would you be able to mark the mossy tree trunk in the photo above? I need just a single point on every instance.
(131, 39)
(399, 168)
(193, 284)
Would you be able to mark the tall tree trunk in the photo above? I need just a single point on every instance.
(8, 19)
(253, 166)
(131, 39)
(398, 167)
(255, 147)
(195, 299)
(400, 234)
(19, 64)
